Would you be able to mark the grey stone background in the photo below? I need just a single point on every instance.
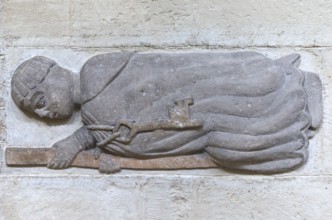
(72, 31)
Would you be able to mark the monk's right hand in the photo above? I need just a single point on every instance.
(65, 152)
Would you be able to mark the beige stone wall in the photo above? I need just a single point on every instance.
(72, 31)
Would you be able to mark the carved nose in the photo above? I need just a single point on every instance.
(44, 113)
(40, 112)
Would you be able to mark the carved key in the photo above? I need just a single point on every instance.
(179, 118)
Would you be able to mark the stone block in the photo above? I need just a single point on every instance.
(167, 24)
(165, 197)
(36, 23)
(19, 123)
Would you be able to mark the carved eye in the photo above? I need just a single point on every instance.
(41, 103)
(39, 100)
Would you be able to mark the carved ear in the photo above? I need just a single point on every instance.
(292, 59)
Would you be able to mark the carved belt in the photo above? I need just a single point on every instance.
(179, 119)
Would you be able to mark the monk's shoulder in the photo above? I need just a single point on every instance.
(102, 63)
(101, 70)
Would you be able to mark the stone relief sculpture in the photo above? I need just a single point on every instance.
(240, 111)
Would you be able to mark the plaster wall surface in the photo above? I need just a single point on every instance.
(72, 31)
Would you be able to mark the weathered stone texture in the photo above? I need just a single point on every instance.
(70, 32)
(2, 99)
(167, 23)
(21, 125)
(165, 197)
(3, 129)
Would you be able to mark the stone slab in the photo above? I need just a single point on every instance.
(36, 21)
(174, 23)
(326, 150)
(19, 124)
(278, 27)
(165, 197)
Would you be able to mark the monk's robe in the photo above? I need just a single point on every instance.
(257, 113)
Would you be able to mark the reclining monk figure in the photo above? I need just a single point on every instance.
(245, 111)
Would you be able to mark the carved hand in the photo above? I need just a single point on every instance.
(66, 151)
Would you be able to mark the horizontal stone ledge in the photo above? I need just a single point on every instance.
(182, 174)
(192, 197)
(55, 43)
(41, 157)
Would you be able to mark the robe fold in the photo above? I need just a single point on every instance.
(256, 112)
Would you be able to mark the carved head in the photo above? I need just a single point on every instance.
(41, 87)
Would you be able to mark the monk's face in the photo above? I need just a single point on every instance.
(53, 98)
